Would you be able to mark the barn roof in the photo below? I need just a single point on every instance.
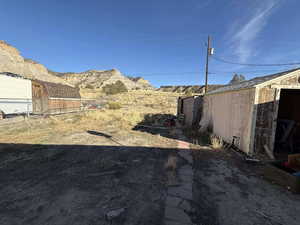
(251, 83)
(60, 90)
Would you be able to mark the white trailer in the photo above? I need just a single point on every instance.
(15, 94)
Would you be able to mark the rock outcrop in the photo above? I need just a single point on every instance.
(97, 79)
(198, 89)
(142, 83)
(11, 61)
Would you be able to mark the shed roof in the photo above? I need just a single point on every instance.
(251, 83)
(60, 90)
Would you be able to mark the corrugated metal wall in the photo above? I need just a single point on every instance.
(15, 95)
(191, 107)
(230, 114)
(188, 111)
(12, 87)
(63, 106)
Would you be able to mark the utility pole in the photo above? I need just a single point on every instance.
(209, 52)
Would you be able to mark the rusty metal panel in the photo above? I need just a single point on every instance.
(188, 111)
(39, 98)
(267, 109)
(63, 106)
(264, 119)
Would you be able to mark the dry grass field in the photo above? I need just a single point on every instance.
(117, 122)
(83, 168)
(77, 168)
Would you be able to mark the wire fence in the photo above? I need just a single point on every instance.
(12, 108)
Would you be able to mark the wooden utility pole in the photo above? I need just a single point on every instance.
(207, 58)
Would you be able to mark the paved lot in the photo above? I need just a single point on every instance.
(228, 191)
(91, 185)
(48, 184)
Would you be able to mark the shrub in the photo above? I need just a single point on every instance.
(150, 105)
(115, 88)
(114, 105)
(188, 92)
(89, 86)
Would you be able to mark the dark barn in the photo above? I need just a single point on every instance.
(52, 98)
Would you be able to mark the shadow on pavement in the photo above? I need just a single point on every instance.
(80, 184)
(101, 134)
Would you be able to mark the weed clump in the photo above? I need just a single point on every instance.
(216, 142)
(115, 88)
(89, 86)
(114, 105)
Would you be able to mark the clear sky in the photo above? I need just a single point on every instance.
(161, 40)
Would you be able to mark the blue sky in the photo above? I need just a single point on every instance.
(163, 41)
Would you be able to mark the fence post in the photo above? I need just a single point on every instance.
(28, 107)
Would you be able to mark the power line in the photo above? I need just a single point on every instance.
(162, 74)
(246, 71)
(214, 72)
(253, 64)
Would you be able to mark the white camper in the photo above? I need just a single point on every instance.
(15, 94)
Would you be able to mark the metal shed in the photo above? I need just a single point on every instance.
(189, 108)
(15, 94)
(51, 98)
(251, 111)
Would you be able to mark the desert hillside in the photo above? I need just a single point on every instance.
(96, 79)
(144, 84)
(187, 88)
(12, 61)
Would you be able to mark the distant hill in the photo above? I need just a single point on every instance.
(144, 84)
(95, 79)
(198, 89)
(12, 61)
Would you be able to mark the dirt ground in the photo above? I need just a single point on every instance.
(45, 184)
(227, 191)
(100, 168)
(86, 168)
(82, 184)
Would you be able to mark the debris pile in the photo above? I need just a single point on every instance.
(160, 120)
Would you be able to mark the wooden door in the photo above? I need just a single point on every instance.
(37, 99)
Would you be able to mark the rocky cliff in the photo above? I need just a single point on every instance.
(12, 61)
(143, 84)
(96, 79)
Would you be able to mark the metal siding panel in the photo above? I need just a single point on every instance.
(15, 88)
(9, 106)
(188, 111)
(230, 114)
(15, 95)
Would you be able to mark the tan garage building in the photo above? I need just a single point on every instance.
(251, 110)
